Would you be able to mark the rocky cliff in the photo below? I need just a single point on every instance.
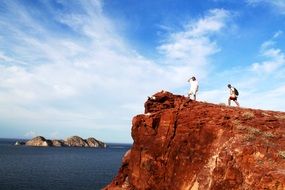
(74, 141)
(181, 144)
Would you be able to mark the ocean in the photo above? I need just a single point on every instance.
(58, 168)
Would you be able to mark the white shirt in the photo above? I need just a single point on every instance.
(194, 85)
(232, 92)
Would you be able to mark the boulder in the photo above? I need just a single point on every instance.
(92, 142)
(18, 143)
(75, 141)
(57, 143)
(38, 141)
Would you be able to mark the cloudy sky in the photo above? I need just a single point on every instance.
(86, 67)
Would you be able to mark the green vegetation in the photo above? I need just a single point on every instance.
(268, 134)
(253, 130)
(248, 115)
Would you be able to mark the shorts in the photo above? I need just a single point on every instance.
(233, 98)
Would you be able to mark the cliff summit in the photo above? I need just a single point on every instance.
(181, 144)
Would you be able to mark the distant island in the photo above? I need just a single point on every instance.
(74, 141)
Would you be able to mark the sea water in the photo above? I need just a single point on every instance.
(58, 168)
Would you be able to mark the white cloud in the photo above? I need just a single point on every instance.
(88, 78)
(68, 79)
(9, 60)
(278, 5)
(192, 47)
(274, 57)
(3, 57)
(270, 99)
(94, 79)
(214, 21)
(277, 34)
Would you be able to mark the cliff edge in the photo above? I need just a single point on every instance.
(181, 144)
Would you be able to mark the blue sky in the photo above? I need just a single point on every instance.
(86, 67)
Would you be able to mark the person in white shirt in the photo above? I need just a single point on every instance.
(233, 95)
(194, 88)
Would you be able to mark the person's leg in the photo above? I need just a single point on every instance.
(229, 102)
(237, 103)
(189, 94)
(194, 96)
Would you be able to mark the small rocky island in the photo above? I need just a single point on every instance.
(74, 141)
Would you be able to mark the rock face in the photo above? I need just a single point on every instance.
(57, 143)
(38, 141)
(18, 143)
(74, 141)
(92, 142)
(181, 144)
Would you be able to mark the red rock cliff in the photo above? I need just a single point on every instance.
(189, 145)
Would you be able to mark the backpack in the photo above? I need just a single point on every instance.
(236, 91)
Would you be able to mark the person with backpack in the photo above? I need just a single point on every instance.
(233, 95)
(194, 87)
